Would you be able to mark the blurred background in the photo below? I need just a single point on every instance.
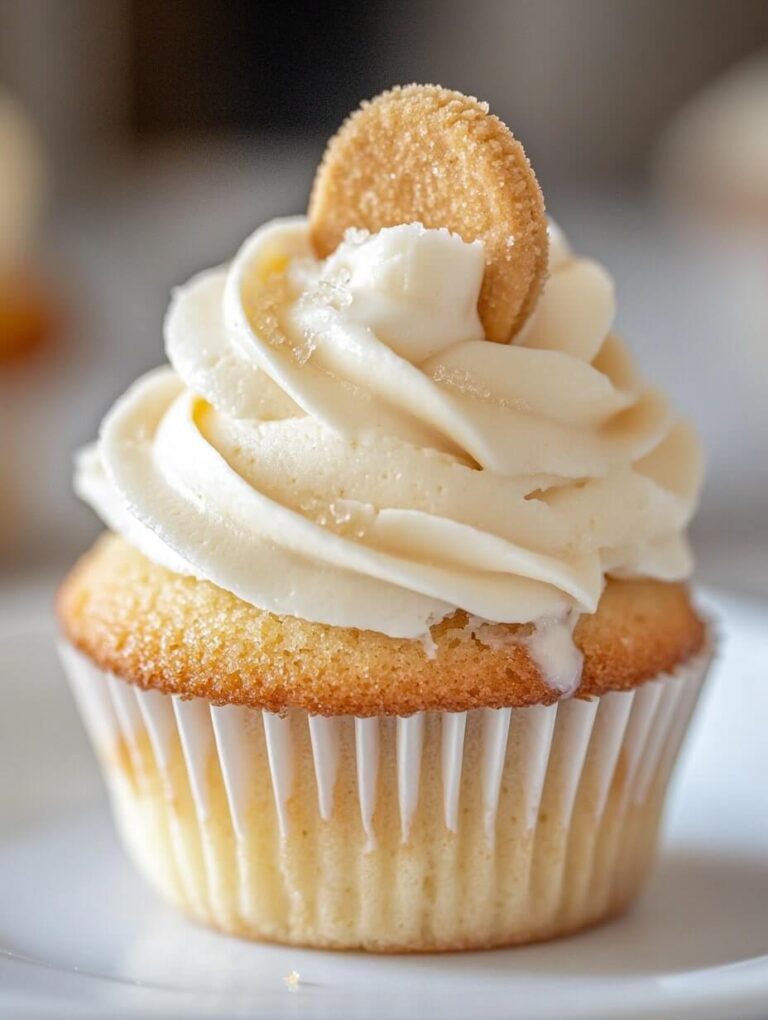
(147, 138)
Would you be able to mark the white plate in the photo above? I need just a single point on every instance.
(81, 936)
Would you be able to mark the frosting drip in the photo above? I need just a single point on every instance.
(551, 647)
(336, 440)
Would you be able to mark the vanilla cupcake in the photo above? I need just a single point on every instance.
(389, 647)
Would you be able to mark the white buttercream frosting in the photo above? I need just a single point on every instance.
(552, 649)
(336, 440)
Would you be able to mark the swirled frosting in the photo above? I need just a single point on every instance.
(337, 441)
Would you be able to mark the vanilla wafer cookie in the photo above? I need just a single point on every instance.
(424, 153)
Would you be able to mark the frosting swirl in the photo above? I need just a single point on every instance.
(336, 440)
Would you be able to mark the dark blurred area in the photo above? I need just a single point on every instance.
(586, 84)
(253, 67)
(171, 128)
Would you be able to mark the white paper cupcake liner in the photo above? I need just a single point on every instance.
(543, 818)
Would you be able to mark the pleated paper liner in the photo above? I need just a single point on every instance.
(437, 831)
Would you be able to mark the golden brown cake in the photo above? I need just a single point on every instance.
(641, 628)
(390, 644)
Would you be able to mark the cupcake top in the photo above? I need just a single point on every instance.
(337, 439)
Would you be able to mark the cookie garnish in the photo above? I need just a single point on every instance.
(422, 153)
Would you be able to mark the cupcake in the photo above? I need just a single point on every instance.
(389, 644)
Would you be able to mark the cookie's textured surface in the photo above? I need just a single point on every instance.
(159, 630)
(424, 153)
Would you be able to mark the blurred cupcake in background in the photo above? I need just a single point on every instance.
(714, 156)
(712, 168)
(28, 314)
(25, 305)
